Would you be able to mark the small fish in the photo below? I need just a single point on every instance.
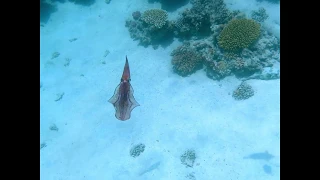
(265, 156)
(122, 99)
(151, 168)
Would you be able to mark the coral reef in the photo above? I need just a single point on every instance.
(136, 15)
(218, 69)
(216, 30)
(267, 47)
(218, 64)
(267, 73)
(216, 9)
(260, 15)
(264, 53)
(239, 34)
(152, 28)
(188, 158)
(224, 41)
(155, 18)
(242, 67)
(243, 91)
(137, 150)
(192, 22)
(170, 5)
(46, 9)
(186, 60)
(197, 20)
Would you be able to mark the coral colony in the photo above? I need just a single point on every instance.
(224, 42)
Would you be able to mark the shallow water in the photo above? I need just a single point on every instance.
(220, 121)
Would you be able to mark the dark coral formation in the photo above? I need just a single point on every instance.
(136, 15)
(152, 28)
(193, 22)
(260, 15)
(218, 69)
(155, 18)
(83, 2)
(46, 9)
(170, 5)
(225, 42)
(198, 20)
(186, 60)
(215, 9)
(218, 64)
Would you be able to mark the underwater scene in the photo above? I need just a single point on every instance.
(159, 89)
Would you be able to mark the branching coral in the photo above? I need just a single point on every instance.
(260, 15)
(155, 17)
(136, 15)
(216, 9)
(243, 91)
(201, 16)
(186, 60)
(218, 70)
(239, 34)
(151, 28)
(192, 22)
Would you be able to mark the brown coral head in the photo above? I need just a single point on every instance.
(136, 15)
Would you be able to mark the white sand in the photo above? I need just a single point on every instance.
(176, 113)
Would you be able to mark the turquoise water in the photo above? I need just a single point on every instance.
(202, 100)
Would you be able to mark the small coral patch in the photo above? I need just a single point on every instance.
(186, 60)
